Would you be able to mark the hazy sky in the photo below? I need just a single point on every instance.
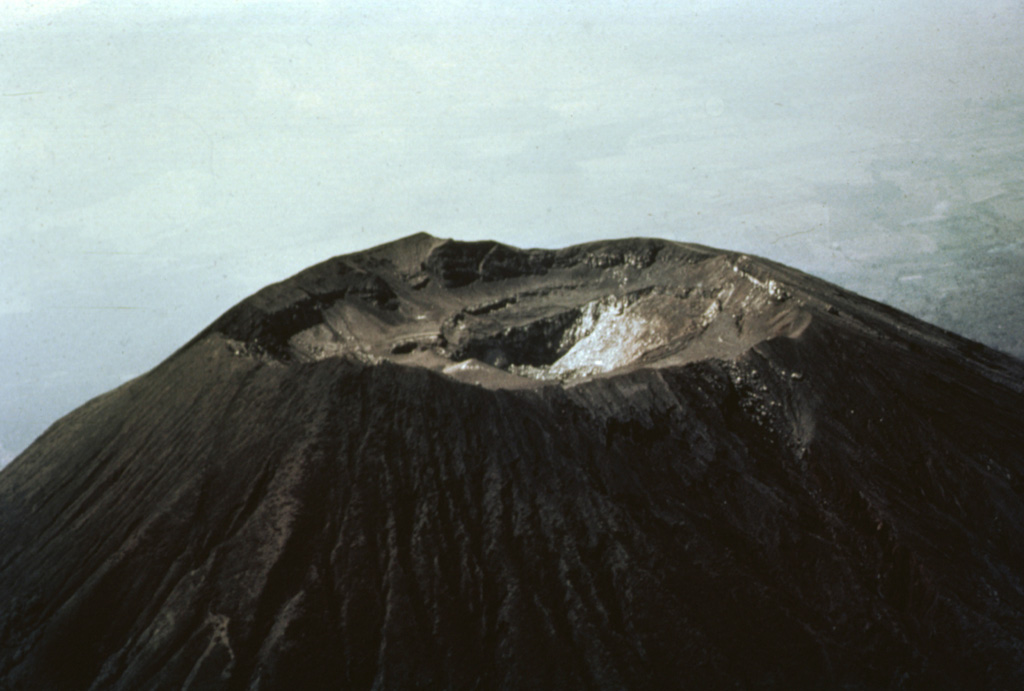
(160, 161)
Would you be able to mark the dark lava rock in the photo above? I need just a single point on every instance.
(433, 464)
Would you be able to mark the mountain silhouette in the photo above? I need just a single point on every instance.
(439, 464)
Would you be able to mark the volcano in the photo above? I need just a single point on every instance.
(440, 464)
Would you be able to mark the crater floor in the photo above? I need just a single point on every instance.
(510, 318)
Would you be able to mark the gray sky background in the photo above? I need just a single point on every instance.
(161, 161)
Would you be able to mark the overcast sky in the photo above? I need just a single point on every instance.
(160, 161)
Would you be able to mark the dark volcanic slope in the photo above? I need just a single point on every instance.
(434, 464)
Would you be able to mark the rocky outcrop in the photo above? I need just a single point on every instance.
(629, 464)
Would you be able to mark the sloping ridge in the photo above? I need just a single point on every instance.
(629, 464)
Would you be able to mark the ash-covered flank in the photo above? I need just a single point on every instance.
(433, 464)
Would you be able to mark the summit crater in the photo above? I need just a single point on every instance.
(508, 317)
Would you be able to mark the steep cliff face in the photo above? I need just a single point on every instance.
(629, 464)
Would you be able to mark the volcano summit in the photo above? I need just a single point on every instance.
(435, 464)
